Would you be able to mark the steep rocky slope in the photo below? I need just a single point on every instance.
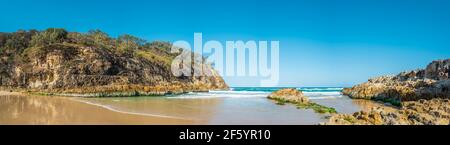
(93, 64)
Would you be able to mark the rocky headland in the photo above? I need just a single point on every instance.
(422, 112)
(55, 61)
(421, 96)
(294, 96)
(431, 82)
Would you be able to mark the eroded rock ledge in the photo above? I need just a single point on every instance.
(431, 82)
(421, 95)
(422, 112)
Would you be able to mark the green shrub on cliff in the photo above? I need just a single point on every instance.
(16, 42)
(49, 36)
(12, 45)
(99, 38)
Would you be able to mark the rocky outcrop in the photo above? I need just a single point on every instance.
(70, 67)
(431, 82)
(294, 96)
(289, 95)
(421, 95)
(423, 112)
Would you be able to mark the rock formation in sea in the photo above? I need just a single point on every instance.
(294, 96)
(431, 82)
(289, 95)
(94, 64)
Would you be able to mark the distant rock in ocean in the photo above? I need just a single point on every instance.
(55, 61)
(431, 82)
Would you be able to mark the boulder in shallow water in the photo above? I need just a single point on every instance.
(296, 97)
(289, 95)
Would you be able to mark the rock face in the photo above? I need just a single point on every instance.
(431, 82)
(423, 112)
(422, 94)
(72, 67)
(290, 95)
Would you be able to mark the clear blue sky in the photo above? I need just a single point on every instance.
(322, 42)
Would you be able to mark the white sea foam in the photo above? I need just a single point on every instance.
(320, 89)
(322, 93)
(238, 92)
(324, 97)
(317, 94)
(222, 94)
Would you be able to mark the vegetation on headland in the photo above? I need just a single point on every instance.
(19, 45)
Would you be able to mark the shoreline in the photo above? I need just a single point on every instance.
(70, 111)
(105, 93)
(25, 108)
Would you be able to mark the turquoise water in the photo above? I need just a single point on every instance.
(243, 105)
(243, 92)
(304, 89)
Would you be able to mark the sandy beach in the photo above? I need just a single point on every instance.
(213, 108)
(23, 109)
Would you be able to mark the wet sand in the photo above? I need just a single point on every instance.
(228, 111)
(17, 108)
(215, 111)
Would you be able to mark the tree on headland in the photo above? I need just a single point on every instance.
(49, 36)
(16, 41)
(128, 43)
(21, 45)
(99, 38)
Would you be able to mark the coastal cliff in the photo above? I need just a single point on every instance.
(55, 61)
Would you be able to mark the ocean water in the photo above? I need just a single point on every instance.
(241, 105)
(248, 92)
